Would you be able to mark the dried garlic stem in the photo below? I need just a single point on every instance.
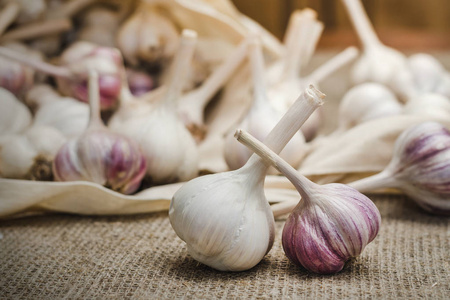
(180, 67)
(36, 64)
(8, 14)
(300, 41)
(70, 8)
(332, 65)
(38, 29)
(374, 182)
(362, 24)
(95, 119)
(271, 158)
(283, 208)
(258, 71)
(195, 102)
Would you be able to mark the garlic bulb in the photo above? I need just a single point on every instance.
(14, 115)
(423, 74)
(419, 167)
(98, 26)
(29, 155)
(378, 63)
(99, 155)
(13, 76)
(29, 10)
(171, 151)
(331, 224)
(224, 218)
(260, 118)
(8, 13)
(147, 36)
(433, 105)
(82, 56)
(364, 102)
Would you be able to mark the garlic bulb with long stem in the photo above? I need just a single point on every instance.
(14, 115)
(378, 62)
(224, 218)
(147, 36)
(420, 167)
(331, 224)
(29, 154)
(71, 77)
(99, 155)
(236, 155)
(171, 151)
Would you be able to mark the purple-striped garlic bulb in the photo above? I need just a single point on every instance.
(331, 224)
(99, 155)
(420, 167)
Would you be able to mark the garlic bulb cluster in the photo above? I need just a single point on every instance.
(331, 224)
(260, 119)
(29, 155)
(224, 218)
(14, 115)
(13, 76)
(420, 167)
(378, 63)
(147, 36)
(364, 102)
(170, 149)
(99, 155)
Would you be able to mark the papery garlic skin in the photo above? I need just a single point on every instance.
(206, 229)
(14, 115)
(102, 157)
(30, 155)
(336, 225)
(421, 166)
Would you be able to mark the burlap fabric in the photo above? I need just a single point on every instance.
(140, 257)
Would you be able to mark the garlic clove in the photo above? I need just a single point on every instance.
(419, 167)
(30, 155)
(331, 224)
(14, 116)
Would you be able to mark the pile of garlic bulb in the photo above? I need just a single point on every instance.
(135, 96)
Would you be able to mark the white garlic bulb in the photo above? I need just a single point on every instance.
(30, 155)
(367, 101)
(260, 119)
(331, 224)
(420, 167)
(171, 151)
(147, 36)
(378, 63)
(14, 115)
(224, 218)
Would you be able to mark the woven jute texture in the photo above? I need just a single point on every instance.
(140, 257)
